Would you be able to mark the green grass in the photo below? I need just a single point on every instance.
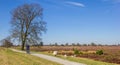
(8, 57)
(87, 61)
(82, 60)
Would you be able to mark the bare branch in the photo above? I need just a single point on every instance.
(27, 23)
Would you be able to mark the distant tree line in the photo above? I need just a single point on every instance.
(79, 44)
(6, 42)
(39, 44)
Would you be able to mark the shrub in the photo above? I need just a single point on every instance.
(76, 52)
(99, 52)
(80, 52)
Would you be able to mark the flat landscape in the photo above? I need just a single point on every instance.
(111, 54)
(55, 32)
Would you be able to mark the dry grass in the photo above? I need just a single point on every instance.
(8, 57)
(111, 53)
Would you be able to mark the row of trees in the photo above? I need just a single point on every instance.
(78, 44)
(8, 43)
(73, 44)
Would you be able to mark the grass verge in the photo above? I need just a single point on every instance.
(8, 57)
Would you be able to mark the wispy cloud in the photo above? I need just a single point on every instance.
(75, 3)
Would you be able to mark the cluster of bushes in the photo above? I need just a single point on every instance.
(99, 52)
(76, 51)
(6, 43)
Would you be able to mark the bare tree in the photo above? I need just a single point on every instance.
(6, 42)
(27, 24)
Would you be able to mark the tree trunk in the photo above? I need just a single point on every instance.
(23, 44)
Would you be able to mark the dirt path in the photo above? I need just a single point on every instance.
(51, 58)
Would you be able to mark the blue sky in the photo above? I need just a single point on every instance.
(72, 21)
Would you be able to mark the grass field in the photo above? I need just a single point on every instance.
(88, 57)
(87, 52)
(87, 61)
(80, 60)
(8, 57)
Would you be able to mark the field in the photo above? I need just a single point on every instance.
(8, 57)
(111, 53)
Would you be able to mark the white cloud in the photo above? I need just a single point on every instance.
(75, 4)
